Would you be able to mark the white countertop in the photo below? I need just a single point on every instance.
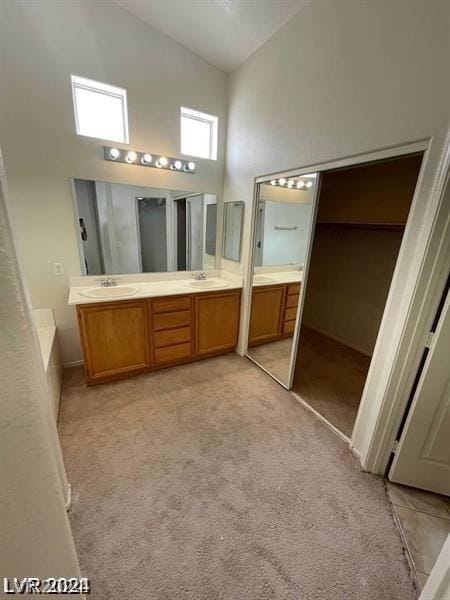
(151, 289)
(278, 277)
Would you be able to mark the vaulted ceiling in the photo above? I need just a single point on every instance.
(223, 32)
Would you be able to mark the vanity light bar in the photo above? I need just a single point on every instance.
(291, 184)
(144, 159)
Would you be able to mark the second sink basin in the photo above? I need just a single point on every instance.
(117, 291)
(263, 279)
(207, 284)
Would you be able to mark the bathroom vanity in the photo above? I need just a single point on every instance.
(129, 336)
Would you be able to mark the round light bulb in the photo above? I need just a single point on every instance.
(290, 182)
(163, 161)
(300, 184)
(146, 159)
(130, 157)
(309, 184)
(178, 164)
(273, 182)
(282, 181)
(114, 153)
(191, 165)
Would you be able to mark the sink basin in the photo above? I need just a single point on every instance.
(207, 284)
(263, 279)
(117, 291)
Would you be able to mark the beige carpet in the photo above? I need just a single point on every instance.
(275, 357)
(330, 377)
(209, 481)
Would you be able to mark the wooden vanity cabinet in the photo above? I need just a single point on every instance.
(273, 312)
(124, 338)
(114, 338)
(216, 322)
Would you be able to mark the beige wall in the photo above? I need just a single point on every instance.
(340, 79)
(42, 44)
(36, 539)
(348, 283)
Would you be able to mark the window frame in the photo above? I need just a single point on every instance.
(104, 89)
(209, 119)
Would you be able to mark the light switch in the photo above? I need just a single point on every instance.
(58, 268)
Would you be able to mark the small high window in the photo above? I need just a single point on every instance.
(100, 110)
(198, 133)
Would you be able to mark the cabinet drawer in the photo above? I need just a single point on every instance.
(171, 320)
(172, 336)
(290, 314)
(171, 304)
(172, 353)
(288, 326)
(292, 301)
(293, 288)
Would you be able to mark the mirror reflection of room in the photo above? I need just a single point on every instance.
(362, 213)
(233, 219)
(134, 229)
(282, 230)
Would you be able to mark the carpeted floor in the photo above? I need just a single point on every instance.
(330, 377)
(274, 356)
(209, 481)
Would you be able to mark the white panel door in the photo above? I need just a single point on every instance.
(422, 459)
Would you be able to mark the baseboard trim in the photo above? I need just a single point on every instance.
(321, 418)
(69, 497)
(75, 363)
(336, 339)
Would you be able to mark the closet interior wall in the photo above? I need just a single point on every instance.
(361, 218)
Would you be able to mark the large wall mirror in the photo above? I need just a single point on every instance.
(233, 220)
(133, 229)
(282, 229)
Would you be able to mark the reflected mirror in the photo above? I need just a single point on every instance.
(133, 229)
(282, 232)
(233, 219)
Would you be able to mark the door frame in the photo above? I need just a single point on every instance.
(417, 284)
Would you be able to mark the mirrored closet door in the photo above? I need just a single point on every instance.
(282, 228)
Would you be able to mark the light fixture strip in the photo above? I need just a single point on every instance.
(292, 184)
(145, 159)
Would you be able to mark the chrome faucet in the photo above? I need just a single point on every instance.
(200, 276)
(108, 282)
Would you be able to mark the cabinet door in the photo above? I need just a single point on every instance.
(266, 313)
(216, 322)
(115, 339)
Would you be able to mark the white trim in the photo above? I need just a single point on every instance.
(103, 89)
(354, 159)
(437, 586)
(393, 386)
(74, 363)
(69, 497)
(211, 120)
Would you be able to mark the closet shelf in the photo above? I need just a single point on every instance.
(348, 225)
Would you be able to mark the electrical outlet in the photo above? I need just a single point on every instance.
(58, 268)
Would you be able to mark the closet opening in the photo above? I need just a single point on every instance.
(361, 217)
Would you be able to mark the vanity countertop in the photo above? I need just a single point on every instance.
(276, 277)
(133, 290)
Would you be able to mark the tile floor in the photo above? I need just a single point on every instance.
(424, 522)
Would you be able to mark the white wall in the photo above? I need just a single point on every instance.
(285, 246)
(36, 539)
(349, 277)
(339, 79)
(42, 44)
